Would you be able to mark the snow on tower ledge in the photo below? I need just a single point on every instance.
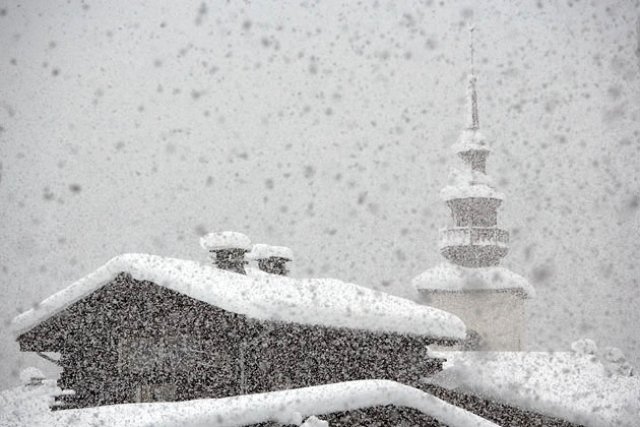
(448, 277)
(465, 183)
(465, 190)
(470, 140)
(323, 302)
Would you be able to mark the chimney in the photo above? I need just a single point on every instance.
(227, 249)
(272, 259)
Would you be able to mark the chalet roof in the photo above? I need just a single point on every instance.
(327, 302)
(290, 407)
(454, 278)
(567, 385)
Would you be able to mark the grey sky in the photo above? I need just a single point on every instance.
(325, 127)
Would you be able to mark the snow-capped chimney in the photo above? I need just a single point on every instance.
(227, 249)
(272, 259)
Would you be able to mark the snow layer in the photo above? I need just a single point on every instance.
(262, 251)
(574, 387)
(314, 421)
(464, 190)
(467, 183)
(225, 240)
(469, 177)
(29, 374)
(327, 302)
(28, 405)
(454, 278)
(471, 139)
(287, 407)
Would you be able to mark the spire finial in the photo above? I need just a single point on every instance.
(474, 123)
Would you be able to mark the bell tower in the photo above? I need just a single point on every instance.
(471, 284)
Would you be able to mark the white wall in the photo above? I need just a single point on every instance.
(498, 316)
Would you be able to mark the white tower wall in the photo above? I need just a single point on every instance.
(497, 316)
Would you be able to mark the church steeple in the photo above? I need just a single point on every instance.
(471, 284)
(474, 239)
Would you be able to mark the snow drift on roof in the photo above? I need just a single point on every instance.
(454, 278)
(326, 302)
(261, 251)
(285, 407)
(565, 385)
(225, 240)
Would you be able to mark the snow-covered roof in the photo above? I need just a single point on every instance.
(454, 278)
(327, 302)
(225, 240)
(570, 386)
(289, 407)
(261, 251)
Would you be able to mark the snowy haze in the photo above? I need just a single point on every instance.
(325, 127)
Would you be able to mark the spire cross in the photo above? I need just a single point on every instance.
(473, 96)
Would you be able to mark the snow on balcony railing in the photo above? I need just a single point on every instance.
(473, 236)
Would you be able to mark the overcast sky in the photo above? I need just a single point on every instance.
(326, 127)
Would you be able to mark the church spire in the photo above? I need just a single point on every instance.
(474, 239)
(472, 95)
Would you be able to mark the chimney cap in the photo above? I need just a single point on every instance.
(225, 240)
(263, 251)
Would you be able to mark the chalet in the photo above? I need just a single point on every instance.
(146, 328)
